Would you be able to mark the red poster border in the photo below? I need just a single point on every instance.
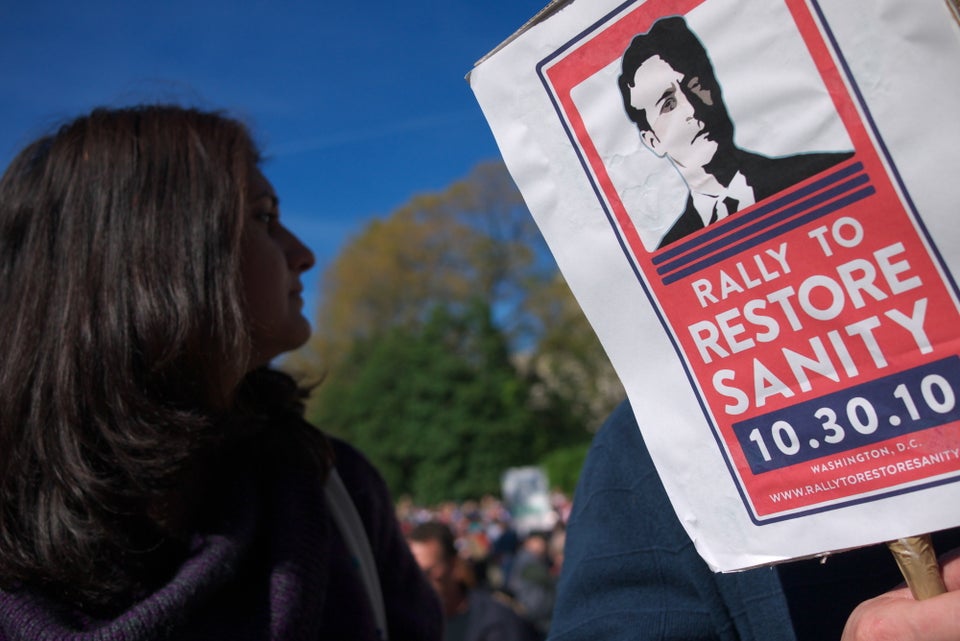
(582, 57)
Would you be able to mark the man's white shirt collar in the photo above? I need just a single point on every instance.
(738, 189)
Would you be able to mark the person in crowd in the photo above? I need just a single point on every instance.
(631, 572)
(158, 480)
(558, 539)
(471, 614)
(503, 549)
(531, 582)
(670, 92)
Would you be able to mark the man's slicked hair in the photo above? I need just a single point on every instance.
(672, 40)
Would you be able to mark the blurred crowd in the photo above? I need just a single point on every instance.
(496, 554)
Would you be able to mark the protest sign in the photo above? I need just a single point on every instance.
(526, 493)
(752, 201)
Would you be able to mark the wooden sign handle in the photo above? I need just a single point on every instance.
(918, 563)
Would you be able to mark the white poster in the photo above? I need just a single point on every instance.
(752, 201)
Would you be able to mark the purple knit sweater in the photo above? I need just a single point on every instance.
(276, 568)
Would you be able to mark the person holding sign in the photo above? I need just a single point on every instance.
(671, 93)
(897, 615)
(631, 571)
(158, 480)
(787, 426)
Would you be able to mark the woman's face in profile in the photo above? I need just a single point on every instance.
(271, 261)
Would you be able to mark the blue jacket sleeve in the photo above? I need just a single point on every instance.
(631, 572)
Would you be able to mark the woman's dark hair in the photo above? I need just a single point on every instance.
(123, 337)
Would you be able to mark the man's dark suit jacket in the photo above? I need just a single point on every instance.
(766, 176)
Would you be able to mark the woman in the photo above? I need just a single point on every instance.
(157, 479)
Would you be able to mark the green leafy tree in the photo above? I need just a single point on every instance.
(563, 466)
(473, 240)
(450, 347)
(441, 410)
(568, 359)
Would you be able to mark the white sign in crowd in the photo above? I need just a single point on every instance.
(754, 202)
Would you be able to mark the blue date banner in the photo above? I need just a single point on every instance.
(903, 403)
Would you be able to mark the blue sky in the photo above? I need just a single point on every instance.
(357, 106)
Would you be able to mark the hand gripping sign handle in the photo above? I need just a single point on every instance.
(914, 554)
(918, 564)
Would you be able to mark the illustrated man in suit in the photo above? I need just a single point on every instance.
(670, 91)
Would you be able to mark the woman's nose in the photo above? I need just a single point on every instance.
(299, 256)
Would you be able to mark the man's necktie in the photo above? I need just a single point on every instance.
(729, 203)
